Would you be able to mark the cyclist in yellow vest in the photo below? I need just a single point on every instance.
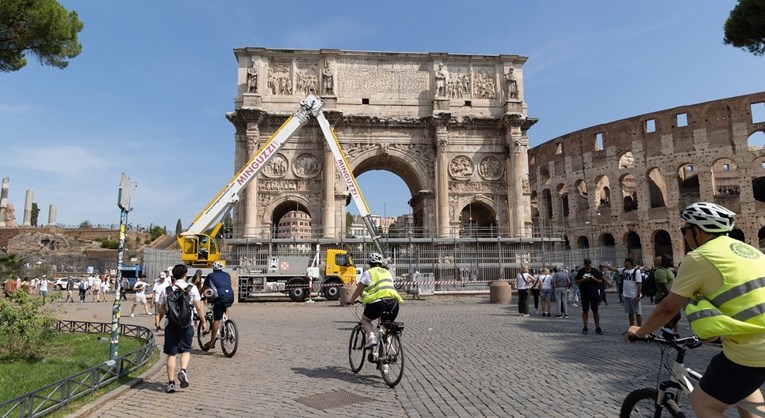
(378, 295)
(723, 282)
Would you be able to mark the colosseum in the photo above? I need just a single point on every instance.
(623, 183)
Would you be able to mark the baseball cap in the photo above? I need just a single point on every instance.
(162, 275)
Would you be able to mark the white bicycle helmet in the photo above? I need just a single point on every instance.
(710, 217)
(375, 258)
(217, 265)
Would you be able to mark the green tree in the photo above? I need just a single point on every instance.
(348, 223)
(85, 225)
(156, 231)
(25, 328)
(745, 27)
(11, 266)
(178, 228)
(35, 213)
(42, 28)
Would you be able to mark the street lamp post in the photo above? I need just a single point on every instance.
(123, 201)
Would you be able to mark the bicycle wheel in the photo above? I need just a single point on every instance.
(642, 403)
(229, 340)
(392, 360)
(356, 351)
(201, 337)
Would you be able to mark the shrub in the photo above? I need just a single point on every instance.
(25, 327)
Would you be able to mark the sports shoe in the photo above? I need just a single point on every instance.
(371, 341)
(385, 368)
(584, 330)
(559, 316)
(565, 316)
(183, 378)
(170, 387)
(598, 331)
(526, 315)
(132, 315)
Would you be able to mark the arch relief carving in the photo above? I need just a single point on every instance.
(277, 167)
(306, 165)
(490, 168)
(461, 167)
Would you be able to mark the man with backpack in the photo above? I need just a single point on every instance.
(179, 299)
(218, 285)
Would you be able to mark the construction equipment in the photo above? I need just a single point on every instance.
(199, 248)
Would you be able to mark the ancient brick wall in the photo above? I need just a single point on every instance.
(624, 182)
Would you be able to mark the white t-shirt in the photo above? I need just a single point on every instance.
(44, 285)
(523, 280)
(546, 282)
(140, 287)
(158, 289)
(629, 283)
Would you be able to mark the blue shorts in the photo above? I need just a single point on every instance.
(178, 340)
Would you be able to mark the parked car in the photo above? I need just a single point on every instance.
(61, 283)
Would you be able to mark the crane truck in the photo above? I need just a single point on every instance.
(291, 274)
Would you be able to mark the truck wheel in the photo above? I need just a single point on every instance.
(331, 289)
(297, 289)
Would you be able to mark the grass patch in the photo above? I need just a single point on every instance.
(68, 354)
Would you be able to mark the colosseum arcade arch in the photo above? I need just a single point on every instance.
(662, 244)
(761, 238)
(688, 184)
(478, 219)
(758, 182)
(657, 189)
(634, 246)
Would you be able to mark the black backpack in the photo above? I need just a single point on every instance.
(178, 307)
(649, 285)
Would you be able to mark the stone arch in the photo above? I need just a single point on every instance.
(662, 243)
(634, 246)
(688, 184)
(477, 218)
(761, 238)
(582, 242)
(756, 140)
(629, 192)
(279, 208)
(737, 234)
(758, 181)
(412, 171)
(582, 202)
(547, 199)
(657, 188)
(602, 191)
(725, 178)
(626, 160)
(608, 240)
(562, 192)
(544, 176)
(534, 200)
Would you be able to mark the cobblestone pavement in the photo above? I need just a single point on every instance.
(465, 357)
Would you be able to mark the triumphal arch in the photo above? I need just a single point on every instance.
(452, 127)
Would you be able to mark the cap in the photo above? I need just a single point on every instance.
(162, 275)
(169, 268)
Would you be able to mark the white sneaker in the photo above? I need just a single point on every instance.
(385, 368)
(132, 315)
(371, 341)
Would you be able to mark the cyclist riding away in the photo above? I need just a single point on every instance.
(378, 295)
(724, 281)
(218, 286)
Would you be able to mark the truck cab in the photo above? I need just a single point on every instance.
(131, 273)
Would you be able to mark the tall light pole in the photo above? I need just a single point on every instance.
(123, 202)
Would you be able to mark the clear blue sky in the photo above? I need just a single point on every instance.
(149, 92)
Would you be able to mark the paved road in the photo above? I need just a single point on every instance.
(466, 357)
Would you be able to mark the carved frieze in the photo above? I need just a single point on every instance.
(369, 77)
(490, 168)
(306, 165)
(280, 79)
(278, 186)
(461, 167)
(458, 86)
(307, 78)
(478, 187)
(277, 167)
(484, 83)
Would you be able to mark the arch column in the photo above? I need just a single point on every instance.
(328, 202)
(251, 191)
(706, 193)
(442, 177)
(517, 169)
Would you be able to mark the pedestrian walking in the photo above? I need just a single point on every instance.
(561, 284)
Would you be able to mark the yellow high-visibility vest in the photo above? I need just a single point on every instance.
(738, 306)
(381, 287)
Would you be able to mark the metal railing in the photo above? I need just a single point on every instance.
(58, 394)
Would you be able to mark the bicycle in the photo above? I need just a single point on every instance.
(388, 354)
(228, 333)
(666, 398)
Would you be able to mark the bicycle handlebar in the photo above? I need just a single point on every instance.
(669, 338)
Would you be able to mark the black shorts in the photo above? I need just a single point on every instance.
(729, 382)
(219, 308)
(385, 308)
(178, 340)
(590, 302)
